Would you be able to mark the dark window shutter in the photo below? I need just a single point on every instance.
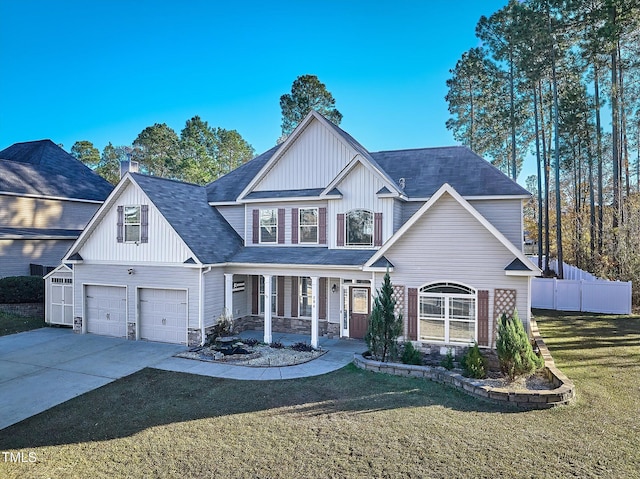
(412, 314)
(294, 297)
(377, 229)
(322, 298)
(280, 296)
(120, 234)
(144, 224)
(340, 229)
(294, 225)
(322, 225)
(483, 318)
(280, 225)
(256, 226)
(255, 291)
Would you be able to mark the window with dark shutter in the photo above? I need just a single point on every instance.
(256, 226)
(412, 314)
(280, 298)
(255, 290)
(294, 225)
(377, 229)
(322, 225)
(294, 296)
(144, 224)
(280, 225)
(322, 298)
(120, 232)
(340, 229)
(483, 318)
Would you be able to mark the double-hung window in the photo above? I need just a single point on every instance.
(308, 225)
(274, 295)
(132, 224)
(359, 228)
(269, 225)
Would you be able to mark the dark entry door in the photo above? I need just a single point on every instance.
(359, 309)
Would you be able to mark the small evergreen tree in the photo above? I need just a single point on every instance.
(474, 363)
(411, 355)
(384, 326)
(515, 353)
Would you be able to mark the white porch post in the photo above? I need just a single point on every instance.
(267, 308)
(314, 311)
(228, 293)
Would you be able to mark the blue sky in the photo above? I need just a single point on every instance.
(104, 70)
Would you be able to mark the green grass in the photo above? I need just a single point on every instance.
(349, 423)
(13, 323)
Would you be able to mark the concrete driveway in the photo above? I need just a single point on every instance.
(45, 367)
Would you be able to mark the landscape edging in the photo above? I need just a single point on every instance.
(562, 394)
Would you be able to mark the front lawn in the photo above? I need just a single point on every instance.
(350, 423)
(13, 323)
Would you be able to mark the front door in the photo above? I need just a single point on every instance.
(359, 309)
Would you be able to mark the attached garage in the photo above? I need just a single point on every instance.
(163, 315)
(106, 310)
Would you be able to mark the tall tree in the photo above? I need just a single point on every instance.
(158, 150)
(87, 153)
(109, 167)
(307, 93)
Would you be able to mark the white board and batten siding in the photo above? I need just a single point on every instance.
(312, 161)
(164, 246)
(448, 244)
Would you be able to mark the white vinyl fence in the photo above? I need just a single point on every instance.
(583, 292)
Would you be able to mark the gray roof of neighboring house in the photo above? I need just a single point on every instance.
(229, 187)
(35, 233)
(302, 255)
(185, 207)
(42, 168)
(426, 170)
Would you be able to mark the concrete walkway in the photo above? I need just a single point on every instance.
(45, 367)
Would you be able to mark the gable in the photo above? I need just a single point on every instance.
(164, 246)
(359, 189)
(312, 160)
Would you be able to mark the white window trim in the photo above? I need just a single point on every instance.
(125, 224)
(346, 232)
(260, 226)
(274, 295)
(300, 225)
(446, 319)
(309, 298)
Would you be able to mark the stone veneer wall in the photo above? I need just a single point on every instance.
(286, 325)
(35, 310)
(562, 394)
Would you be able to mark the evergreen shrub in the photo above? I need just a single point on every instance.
(515, 353)
(474, 363)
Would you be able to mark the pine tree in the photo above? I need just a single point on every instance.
(515, 353)
(384, 325)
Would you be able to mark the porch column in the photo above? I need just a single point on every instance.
(314, 311)
(228, 293)
(267, 308)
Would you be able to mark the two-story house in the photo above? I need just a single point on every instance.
(299, 238)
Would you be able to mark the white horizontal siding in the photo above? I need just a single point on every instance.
(16, 255)
(20, 212)
(164, 245)
(312, 161)
(449, 244)
(161, 277)
(505, 215)
(213, 296)
(234, 216)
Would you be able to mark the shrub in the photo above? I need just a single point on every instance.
(474, 363)
(302, 347)
(277, 345)
(447, 361)
(21, 289)
(514, 350)
(411, 355)
(384, 326)
(251, 342)
(223, 327)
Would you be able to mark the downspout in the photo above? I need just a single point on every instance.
(203, 271)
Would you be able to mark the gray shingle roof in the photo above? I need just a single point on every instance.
(185, 207)
(42, 168)
(302, 255)
(34, 233)
(517, 265)
(229, 187)
(426, 170)
(285, 193)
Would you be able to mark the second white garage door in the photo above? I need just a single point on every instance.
(163, 315)
(106, 310)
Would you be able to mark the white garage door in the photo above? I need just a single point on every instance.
(163, 315)
(106, 310)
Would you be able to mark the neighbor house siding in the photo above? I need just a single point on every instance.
(161, 277)
(164, 245)
(21, 212)
(505, 215)
(454, 246)
(234, 216)
(16, 255)
(409, 209)
(312, 161)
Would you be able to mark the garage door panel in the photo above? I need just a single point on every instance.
(163, 315)
(106, 310)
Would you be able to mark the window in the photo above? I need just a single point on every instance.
(308, 225)
(447, 313)
(359, 228)
(274, 295)
(269, 226)
(306, 297)
(132, 224)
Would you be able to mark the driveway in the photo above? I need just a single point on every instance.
(45, 367)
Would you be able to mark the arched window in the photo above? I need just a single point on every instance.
(359, 228)
(447, 313)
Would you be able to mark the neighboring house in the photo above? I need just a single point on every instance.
(46, 198)
(299, 239)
